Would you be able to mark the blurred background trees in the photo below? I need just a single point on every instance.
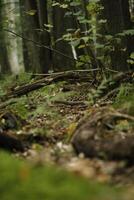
(39, 36)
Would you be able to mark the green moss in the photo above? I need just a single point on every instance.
(20, 107)
(22, 181)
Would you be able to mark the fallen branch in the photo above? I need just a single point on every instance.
(5, 104)
(65, 76)
(63, 72)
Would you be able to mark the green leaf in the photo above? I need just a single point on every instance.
(75, 4)
(75, 43)
(85, 38)
(132, 55)
(55, 4)
(31, 12)
(64, 6)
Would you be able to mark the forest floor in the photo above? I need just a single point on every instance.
(71, 139)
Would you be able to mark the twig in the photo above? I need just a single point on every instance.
(124, 116)
(111, 70)
(71, 103)
(109, 94)
(5, 104)
(63, 72)
(46, 47)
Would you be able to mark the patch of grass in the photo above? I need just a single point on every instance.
(19, 180)
(53, 92)
(125, 99)
(24, 78)
(20, 107)
(8, 81)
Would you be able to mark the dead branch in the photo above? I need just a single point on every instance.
(65, 76)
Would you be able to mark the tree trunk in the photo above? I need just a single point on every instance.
(116, 12)
(37, 59)
(12, 45)
(45, 54)
(60, 24)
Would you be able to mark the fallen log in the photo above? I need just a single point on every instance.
(65, 76)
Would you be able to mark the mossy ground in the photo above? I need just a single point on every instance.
(20, 180)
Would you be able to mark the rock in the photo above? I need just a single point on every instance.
(10, 143)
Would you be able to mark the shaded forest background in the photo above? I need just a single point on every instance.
(41, 36)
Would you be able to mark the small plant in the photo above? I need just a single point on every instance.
(131, 59)
(125, 98)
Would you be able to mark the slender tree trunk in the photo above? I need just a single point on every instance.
(4, 64)
(60, 24)
(45, 54)
(12, 45)
(29, 27)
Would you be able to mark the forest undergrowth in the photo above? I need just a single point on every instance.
(67, 136)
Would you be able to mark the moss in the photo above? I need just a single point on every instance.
(19, 180)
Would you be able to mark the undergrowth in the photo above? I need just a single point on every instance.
(20, 180)
(125, 99)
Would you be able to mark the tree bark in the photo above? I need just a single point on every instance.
(60, 24)
(37, 59)
(117, 14)
(12, 45)
(45, 54)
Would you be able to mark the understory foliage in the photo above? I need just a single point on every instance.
(76, 34)
(124, 98)
(92, 45)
